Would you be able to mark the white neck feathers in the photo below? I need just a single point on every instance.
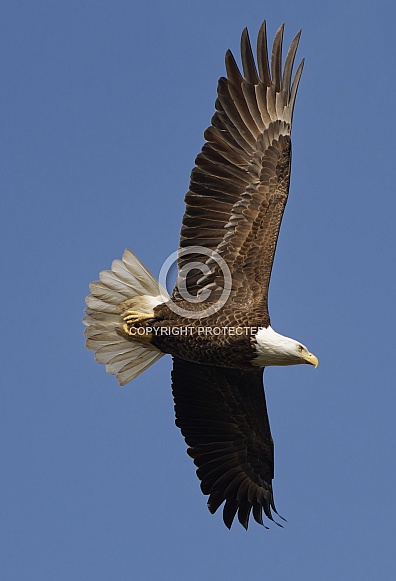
(274, 349)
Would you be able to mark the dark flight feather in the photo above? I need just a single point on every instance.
(243, 172)
(223, 417)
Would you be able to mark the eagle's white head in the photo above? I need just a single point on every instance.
(275, 349)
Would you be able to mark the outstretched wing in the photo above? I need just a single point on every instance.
(239, 187)
(223, 417)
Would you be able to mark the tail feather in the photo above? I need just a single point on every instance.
(127, 285)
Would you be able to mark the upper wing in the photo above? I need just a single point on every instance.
(239, 187)
(223, 417)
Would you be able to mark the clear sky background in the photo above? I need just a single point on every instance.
(103, 107)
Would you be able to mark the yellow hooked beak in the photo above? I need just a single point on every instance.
(311, 359)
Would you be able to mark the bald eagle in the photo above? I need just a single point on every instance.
(216, 324)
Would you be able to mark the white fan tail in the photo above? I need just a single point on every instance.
(128, 285)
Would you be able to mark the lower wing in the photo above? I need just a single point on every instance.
(223, 417)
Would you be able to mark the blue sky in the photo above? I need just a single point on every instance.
(103, 108)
